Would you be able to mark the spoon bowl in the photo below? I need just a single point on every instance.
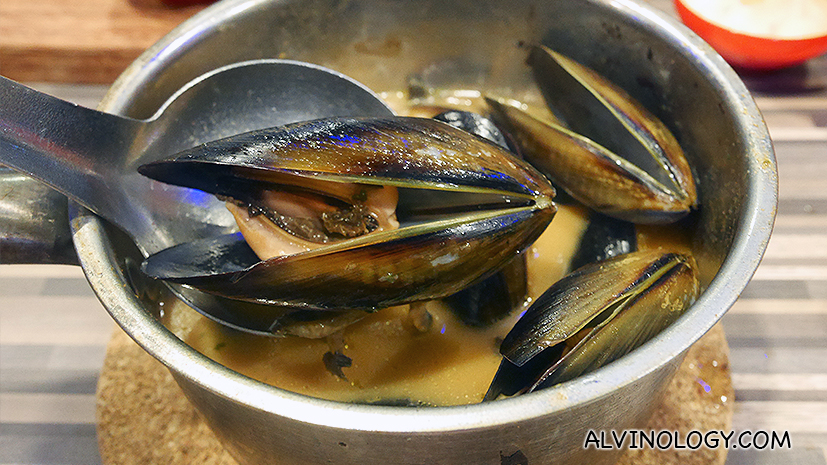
(92, 157)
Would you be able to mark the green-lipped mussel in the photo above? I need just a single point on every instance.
(343, 216)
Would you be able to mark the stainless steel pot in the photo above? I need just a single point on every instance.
(472, 44)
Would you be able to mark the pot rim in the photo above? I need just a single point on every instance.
(754, 229)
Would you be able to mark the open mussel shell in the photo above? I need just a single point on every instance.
(611, 153)
(497, 206)
(593, 316)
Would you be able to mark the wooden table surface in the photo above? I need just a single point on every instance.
(87, 41)
(53, 331)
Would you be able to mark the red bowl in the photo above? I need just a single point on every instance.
(749, 51)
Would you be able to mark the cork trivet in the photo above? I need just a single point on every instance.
(144, 418)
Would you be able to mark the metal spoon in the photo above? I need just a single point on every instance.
(92, 157)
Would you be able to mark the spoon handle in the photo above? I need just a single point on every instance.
(71, 148)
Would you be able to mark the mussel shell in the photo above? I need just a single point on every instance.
(605, 237)
(422, 261)
(397, 151)
(590, 173)
(616, 305)
(606, 150)
(571, 303)
(478, 125)
(655, 308)
(493, 298)
(596, 108)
